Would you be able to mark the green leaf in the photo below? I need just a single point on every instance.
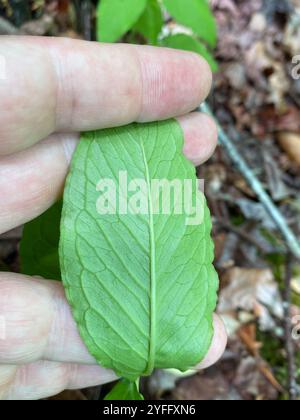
(116, 17)
(151, 22)
(142, 286)
(196, 15)
(186, 42)
(124, 390)
(39, 245)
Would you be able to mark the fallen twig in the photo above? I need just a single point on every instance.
(291, 240)
(242, 234)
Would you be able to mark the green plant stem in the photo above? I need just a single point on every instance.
(292, 241)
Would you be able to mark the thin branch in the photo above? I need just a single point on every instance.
(289, 345)
(291, 240)
(244, 235)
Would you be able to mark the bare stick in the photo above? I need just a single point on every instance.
(244, 235)
(291, 240)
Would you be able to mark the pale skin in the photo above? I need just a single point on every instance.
(50, 90)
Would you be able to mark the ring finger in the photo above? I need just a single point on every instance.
(32, 180)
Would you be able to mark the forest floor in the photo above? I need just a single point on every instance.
(256, 99)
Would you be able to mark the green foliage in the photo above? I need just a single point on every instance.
(151, 22)
(39, 245)
(116, 17)
(194, 14)
(189, 43)
(142, 286)
(145, 17)
(125, 390)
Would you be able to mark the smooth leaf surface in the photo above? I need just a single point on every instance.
(116, 17)
(124, 390)
(142, 286)
(196, 15)
(188, 43)
(151, 22)
(39, 245)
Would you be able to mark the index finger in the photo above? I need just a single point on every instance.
(56, 84)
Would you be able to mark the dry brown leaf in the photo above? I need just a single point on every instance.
(228, 5)
(258, 61)
(289, 121)
(256, 381)
(292, 35)
(235, 73)
(241, 184)
(279, 86)
(290, 143)
(211, 385)
(247, 333)
(267, 73)
(254, 291)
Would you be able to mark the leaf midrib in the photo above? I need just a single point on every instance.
(152, 332)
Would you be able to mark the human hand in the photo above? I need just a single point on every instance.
(51, 89)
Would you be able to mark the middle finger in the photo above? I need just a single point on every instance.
(32, 180)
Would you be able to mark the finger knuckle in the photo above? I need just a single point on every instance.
(25, 319)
